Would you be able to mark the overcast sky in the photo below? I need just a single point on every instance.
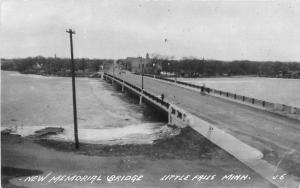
(253, 30)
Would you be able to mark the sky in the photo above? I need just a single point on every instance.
(224, 30)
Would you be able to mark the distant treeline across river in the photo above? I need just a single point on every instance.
(186, 67)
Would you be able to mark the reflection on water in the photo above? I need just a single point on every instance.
(277, 90)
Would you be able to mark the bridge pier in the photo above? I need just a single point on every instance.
(123, 87)
(141, 98)
(169, 118)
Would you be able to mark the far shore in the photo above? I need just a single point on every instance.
(95, 75)
(58, 74)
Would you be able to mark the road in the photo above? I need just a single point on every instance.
(277, 137)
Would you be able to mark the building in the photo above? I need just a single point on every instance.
(134, 64)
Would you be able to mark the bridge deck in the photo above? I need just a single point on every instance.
(270, 133)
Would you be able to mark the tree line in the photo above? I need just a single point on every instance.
(54, 66)
(188, 67)
(192, 67)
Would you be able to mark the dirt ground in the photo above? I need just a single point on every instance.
(197, 162)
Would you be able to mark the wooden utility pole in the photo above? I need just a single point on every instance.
(71, 32)
(114, 67)
(142, 74)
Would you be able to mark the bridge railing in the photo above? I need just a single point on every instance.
(176, 115)
(146, 93)
(257, 102)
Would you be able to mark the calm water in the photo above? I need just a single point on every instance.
(30, 102)
(277, 90)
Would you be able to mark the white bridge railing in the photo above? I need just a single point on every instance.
(176, 116)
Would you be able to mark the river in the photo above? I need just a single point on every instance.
(31, 102)
(276, 90)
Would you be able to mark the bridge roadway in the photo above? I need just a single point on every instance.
(277, 137)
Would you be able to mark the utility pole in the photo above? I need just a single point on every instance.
(114, 67)
(142, 74)
(71, 32)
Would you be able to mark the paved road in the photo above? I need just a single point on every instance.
(275, 136)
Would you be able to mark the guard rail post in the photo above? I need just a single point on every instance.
(123, 86)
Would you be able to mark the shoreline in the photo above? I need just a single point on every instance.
(187, 145)
(94, 75)
(170, 144)
(61, 74)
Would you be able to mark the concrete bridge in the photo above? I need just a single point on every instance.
(249, 134)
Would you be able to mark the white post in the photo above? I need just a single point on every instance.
(141, 99)
(169, 116)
